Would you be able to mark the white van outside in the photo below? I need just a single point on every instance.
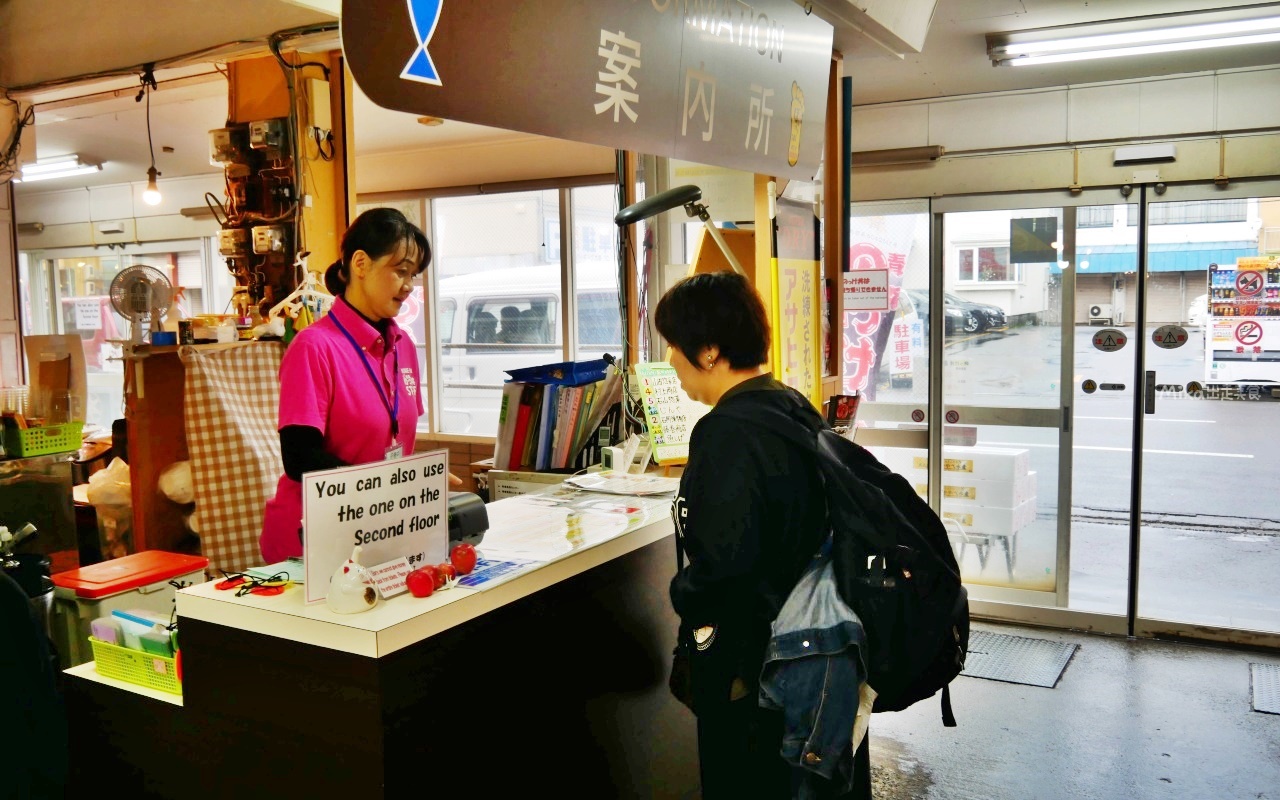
(506, 319)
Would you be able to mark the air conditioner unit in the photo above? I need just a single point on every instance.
(1100, 314)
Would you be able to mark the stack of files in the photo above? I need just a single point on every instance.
(546, 422)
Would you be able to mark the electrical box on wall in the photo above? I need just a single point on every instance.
(321, 115)
(233, 242)
(267, 134)
(268, 239)
(228, 145)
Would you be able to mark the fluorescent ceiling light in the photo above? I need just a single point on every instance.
(56, 167)
(1137, 36)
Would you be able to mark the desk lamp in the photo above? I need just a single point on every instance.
(687, 196)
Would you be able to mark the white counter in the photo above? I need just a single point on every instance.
(614, 526)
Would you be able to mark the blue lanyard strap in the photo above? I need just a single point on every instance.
(393, 410)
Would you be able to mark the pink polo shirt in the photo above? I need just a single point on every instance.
(324, 385)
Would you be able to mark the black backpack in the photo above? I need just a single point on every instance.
(894, 567)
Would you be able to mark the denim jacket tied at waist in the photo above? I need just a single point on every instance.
(813, 670)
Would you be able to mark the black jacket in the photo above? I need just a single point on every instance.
(750, 514)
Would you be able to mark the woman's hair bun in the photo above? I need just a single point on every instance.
(335, 278)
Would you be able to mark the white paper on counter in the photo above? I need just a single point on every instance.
(548, 525)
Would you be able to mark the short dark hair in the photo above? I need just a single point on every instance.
(378, 232)
(716, 308)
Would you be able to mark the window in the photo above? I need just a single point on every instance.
(1095, 216)
(1197, 212)
(68, 291)
(983, 264)
(496, 287)
(445, 309)
(599, 324)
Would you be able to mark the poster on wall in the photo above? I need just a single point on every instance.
(796, 333)
(797, 325)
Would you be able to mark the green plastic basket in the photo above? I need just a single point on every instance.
(41, 441)
(135, 666)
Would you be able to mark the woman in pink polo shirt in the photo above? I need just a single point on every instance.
(349, 384)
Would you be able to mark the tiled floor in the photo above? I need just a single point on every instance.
(1128, 720)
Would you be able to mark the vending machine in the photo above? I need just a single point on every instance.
(1242, 332)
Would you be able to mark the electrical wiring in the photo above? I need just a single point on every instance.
(215, 205)
(9, 155)
(204, 54)
(633, 420)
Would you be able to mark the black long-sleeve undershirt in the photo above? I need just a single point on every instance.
(302, 450)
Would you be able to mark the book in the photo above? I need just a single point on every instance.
(507, 414)
(608, 393)
(520, 434)
(529, 449)
(546, 426)
(586, 402)
(566, 430)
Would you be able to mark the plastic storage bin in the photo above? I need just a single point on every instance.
(41, 441)
(140, 580)
(135, 666)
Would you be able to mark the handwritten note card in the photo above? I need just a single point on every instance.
(668, 411)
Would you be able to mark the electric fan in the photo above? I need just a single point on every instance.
(141, 294)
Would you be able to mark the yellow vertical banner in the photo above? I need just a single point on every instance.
(797, 340)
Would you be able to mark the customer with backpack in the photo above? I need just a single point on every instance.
(750, 515)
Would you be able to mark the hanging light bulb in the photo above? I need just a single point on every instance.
(151, 195)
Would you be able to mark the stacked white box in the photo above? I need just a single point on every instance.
(959, 490)
(985, 489)
(988, 520)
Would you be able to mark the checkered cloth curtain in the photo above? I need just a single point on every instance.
(231, 414)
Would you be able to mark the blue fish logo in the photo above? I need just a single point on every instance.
(424, 15)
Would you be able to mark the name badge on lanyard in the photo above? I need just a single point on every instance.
(394, 449)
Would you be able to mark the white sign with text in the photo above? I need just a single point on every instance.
(392, 509)
(866, 290)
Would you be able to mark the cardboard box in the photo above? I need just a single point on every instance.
(58, 391)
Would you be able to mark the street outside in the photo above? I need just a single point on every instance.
(1210, 535)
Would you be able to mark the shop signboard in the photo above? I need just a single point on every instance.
(740, 85)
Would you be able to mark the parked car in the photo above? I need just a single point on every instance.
(1198, 311)
(958, 318)
(988, 316)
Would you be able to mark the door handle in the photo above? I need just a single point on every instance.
(1150, 392)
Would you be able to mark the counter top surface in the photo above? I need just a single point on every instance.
(562, 531)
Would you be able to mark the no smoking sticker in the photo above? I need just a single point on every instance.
(1170, 337)
(1248, 332)
(953, 416)
(917, 415)
(1109, 340)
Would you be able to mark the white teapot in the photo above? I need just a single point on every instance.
(351, 589)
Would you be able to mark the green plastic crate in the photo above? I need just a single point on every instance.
(41, 441)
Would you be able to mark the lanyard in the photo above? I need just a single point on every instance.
(392, 410)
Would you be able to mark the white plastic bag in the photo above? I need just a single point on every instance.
(110, 486)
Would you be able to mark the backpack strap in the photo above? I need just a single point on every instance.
(948, 716)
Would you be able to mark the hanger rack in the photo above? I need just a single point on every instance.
(309, 292)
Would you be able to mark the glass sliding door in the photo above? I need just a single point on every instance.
(1209, 535)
